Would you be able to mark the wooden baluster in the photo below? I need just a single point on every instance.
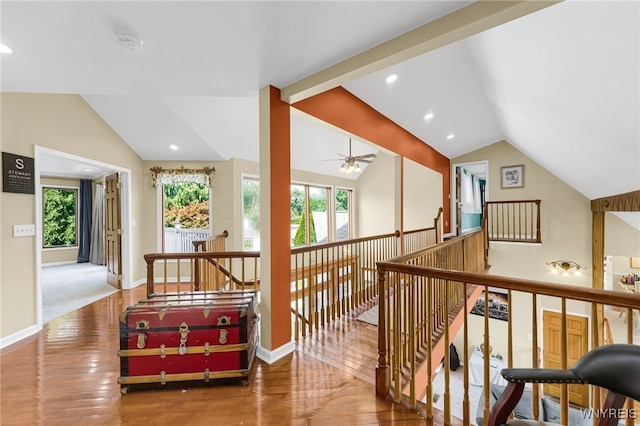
(465, 351)
(535, 355)
(564, 389)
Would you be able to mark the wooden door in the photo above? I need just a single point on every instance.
(577, 345)
(113, 253)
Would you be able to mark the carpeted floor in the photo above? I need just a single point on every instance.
(370, 316)
(66, 288)
(456, 393)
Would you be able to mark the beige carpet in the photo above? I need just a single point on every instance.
(456, 393)
(370, 316)
(66, 288)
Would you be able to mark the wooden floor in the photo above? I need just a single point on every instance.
(67, 375)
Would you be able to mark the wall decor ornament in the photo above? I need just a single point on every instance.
(512, 176)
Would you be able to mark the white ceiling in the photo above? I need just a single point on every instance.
(561, 84)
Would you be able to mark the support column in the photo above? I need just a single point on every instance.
(597, 277)
(275, 232)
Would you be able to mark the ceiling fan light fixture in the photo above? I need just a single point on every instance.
(351, 164)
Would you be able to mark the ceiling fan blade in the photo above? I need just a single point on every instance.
(360, 160)
(341, 155)
(367, 156)
(333, 159)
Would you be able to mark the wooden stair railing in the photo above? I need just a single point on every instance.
(608, 335)
(214, 243)
(392, 358)
(512, 221)
(415, 334)
(220, 267)
(170, 272)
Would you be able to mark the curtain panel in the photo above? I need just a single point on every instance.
(84, 213)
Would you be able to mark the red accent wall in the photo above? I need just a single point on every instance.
(342, 109)
(280, 192)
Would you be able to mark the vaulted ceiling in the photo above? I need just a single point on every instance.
(560, 84)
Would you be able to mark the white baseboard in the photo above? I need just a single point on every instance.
(66, 262)
(16, 337)
(272, 356)
(138, 283)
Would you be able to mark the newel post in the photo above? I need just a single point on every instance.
(150, 283)
(383, 380)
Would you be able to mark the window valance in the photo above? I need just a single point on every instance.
(160, 176)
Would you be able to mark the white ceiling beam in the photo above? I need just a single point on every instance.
(463, 23)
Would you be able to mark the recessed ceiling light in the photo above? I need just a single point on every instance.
(391, 78)
(6, 49)
(173, 147)
(428, 116)
(87, 169)
(450, 136)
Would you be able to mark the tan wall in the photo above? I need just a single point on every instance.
(376, 197)
(620, 239)
(64, 123)
(59, 255)
(422, 195)
(566, 234)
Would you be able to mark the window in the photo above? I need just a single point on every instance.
(299, 222)
(185, 216)
(310, 222)
(59, 207)
(343, 214)
(312, 218)
(251, 214)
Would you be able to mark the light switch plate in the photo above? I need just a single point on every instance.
(24, 230)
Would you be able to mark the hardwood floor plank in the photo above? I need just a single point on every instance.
(67, 375)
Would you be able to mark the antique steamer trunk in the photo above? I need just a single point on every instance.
(188, 337)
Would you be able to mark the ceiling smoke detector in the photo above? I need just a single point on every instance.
(130, 41)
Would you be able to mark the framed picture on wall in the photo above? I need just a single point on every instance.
(512, 176)
(635, 262)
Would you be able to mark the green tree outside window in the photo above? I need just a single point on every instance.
(59, 208)
(188, 203)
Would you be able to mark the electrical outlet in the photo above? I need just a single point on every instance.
(24, 230)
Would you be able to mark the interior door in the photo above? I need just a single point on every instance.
(577, 345)
(113, 232)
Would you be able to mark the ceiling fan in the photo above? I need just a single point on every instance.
(350, 163)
